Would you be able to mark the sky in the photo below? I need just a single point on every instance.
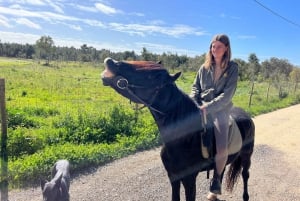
(266, 28)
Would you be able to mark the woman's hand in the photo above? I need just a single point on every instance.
(203, 109)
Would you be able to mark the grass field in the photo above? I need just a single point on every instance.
(64, 111)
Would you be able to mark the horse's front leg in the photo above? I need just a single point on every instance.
(189, 183)
(175, 190)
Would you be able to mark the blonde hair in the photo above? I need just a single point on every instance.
(209, 59)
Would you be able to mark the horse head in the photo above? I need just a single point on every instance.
(149, 83)
(139, 81)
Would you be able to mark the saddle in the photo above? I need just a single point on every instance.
(208, 139)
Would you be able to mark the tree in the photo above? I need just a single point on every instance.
(295, 77)
(85, 55)
(196, 62)
(29, 51)
(148, 56)
(254, 66)
(129, 55)
(243, 71)
(277, 69)
(45, 47)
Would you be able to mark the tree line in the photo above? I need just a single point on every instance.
(273, 69)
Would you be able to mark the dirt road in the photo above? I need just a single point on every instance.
(274, 174)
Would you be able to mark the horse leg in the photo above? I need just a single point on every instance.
(175, 190)
(246, 162)
(189, 183)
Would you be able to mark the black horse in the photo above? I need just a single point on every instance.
(180, 124)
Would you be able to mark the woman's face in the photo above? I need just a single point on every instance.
(218, 49)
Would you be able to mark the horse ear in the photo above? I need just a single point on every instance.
(175, 76)
(159, 62)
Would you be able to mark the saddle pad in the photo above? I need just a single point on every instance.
(234, 137)
(234, 140)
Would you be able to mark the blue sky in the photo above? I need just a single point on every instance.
(184, 27)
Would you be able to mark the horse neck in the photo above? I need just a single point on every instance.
(167, 102)
(180, 117)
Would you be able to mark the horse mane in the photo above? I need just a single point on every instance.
(145, 65)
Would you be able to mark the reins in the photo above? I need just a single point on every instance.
(122, 83)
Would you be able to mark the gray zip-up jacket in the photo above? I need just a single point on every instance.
(216, 96)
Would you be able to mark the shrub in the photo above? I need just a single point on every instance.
(22, 141)
(19, 119)
(86, 128)
(41, 111)
(283, 94)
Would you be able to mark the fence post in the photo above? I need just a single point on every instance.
(4, 156)
(251, 93)
(268, 91)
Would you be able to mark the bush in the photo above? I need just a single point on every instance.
(41, 111)
(88, 128)
(283, 94)
(19, 119)
(22, 141)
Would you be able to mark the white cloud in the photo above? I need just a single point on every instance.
(143, 30)
(28, 23)
(164, 48)
(156, 27)
(47, 16)
(53, 4)
(19, 12)
(106, 9)
(75, 27)
(85, 8)
(56, 7)
(25, 2)
(94, 23)
(21, 38)
(137, 14)
(4, 22)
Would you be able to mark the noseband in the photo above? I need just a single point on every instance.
(122, 83)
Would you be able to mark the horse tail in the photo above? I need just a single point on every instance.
(233, 173)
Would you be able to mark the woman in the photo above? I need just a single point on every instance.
(213, 89)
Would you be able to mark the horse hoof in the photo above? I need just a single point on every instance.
(211, 197)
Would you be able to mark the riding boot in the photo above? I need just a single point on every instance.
(215, 184)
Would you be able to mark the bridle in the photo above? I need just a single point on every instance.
(123, 84)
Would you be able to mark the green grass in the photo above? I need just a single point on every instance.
(57, 111)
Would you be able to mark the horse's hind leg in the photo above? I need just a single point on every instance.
(246, 162)
(189, 183)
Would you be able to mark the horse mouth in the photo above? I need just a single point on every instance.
(106, 81)
(107, 75)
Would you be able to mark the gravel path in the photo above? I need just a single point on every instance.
(274, 174)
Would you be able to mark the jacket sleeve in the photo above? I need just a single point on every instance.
(225, 97)
(196, 89)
